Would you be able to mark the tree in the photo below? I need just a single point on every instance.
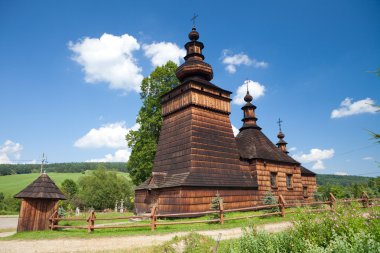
(143, 141)
(101, 189)
(70, 189)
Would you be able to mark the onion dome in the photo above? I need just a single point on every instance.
(248, 98)
(249, 118)
(193, 35)
(280, 135)
(194, 66)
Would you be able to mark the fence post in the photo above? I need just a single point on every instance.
(221, 208)
(91, 221)
(332, 200)
(365, 199)
(281, 204)
(52, 219)
(153, 218)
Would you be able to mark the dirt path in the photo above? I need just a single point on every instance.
(117, 243)
(8, 221)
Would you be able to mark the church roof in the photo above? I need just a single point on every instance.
(41, 188)
(235, 179)
(253, 144)
(307, 172)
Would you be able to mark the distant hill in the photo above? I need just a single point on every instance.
(323, 179)
(10, 169)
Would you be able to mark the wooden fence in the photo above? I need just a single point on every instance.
(153, 216)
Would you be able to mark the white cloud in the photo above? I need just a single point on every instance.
(235, 130)
(341, 173)
(10, 151)
(109, 59)
(162, 52)
(317, 156)
(109, 136)
(368, 158)
(232, 61)
(348, 108)
(121, 155)
(255, 89)
(292, 149)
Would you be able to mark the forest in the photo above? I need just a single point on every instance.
(11, 169)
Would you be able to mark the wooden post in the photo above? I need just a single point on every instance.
(91, 221)
(365, 199)
(332, 200)
(281, 204)
(153, 218)
(221, 208)
(52, 219)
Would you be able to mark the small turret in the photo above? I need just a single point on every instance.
(281, 144)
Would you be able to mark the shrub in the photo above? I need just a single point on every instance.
(270, 199)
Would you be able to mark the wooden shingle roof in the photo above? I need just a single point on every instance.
(253, 144)
(41, 188)
(307, 172)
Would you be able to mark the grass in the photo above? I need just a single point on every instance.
(12, 184)
(163, 229)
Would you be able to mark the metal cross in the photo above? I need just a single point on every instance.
(279, 123)
(247, 83)
(194, 18)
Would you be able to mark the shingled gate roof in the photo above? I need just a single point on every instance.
(253, 144)
(41, 188)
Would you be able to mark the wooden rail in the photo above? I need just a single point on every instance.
(153, 216)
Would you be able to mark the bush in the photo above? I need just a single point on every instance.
(270, 199)
(345, 230)
(100, 189)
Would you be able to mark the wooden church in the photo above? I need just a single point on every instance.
(198, 156)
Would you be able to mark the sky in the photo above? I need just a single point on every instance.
(70, 73)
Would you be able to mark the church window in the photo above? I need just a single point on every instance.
(289, 181)
(273, 179)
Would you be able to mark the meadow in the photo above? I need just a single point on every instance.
(12, 184)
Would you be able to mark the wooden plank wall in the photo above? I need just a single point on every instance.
(311, 183)
(35, 214)
(194, 199)
(293, 194)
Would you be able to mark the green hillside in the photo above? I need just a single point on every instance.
(325, 179)
(12, 184)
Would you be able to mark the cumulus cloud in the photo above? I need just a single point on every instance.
(348, 108)
(120, 155)
(10, 151)
(341, 173)
(255, 89)
(235, 130)
(315, 156)
(233, 60)
(109, 59)
(292, 149)
(162, 52)
(110, 135)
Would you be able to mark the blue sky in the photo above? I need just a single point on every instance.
(70, 71)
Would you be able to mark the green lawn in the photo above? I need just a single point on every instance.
(12, 184)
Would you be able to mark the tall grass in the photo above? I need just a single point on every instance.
(345, 230)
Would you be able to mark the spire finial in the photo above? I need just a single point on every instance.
(247, 83)
(193, 19)
(279, 124)
(247, 98)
